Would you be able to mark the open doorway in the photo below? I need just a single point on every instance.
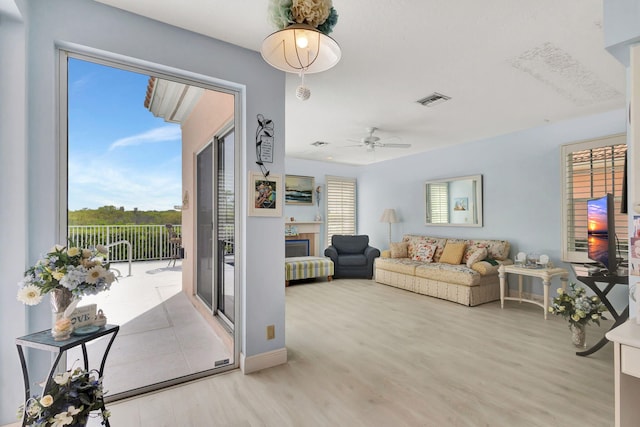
(135, 144)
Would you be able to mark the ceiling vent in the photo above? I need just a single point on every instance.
(434, 99)
(319, 143)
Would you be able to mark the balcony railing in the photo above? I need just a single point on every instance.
(146, 242)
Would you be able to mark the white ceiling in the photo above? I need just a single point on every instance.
(506, 64)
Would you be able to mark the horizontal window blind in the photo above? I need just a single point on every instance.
(341, 206)
(591, 169)
(438, 202)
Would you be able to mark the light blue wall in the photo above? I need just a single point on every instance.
(29, 165)
(318, 170)
(522, 182)
(13, 207)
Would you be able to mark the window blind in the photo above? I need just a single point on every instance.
(341, 206)
(438, 197)
(591, 169)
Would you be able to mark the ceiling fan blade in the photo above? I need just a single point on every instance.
(394, 145)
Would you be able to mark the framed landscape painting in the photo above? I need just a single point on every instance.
(265, 195)
(299, 190)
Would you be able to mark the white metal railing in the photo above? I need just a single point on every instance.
(141, 242)
(129, 247)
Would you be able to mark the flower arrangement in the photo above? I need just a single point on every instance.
(577, 307)
(320, 14)
(69, 400)
(81, 271)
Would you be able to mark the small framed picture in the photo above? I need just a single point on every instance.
(299, 190)
(265, 195)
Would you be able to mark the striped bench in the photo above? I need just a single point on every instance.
(307, 267)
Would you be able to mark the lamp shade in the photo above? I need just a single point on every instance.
(300, 48)
(389, 215)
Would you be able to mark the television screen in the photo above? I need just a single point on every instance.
(601, 232)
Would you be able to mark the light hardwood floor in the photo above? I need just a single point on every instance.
(365, 354)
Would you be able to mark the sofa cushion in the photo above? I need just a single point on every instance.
(496, 249)
(399, 250)
(453, 253)
(425, 252)
(489, 266)
(350, 244)
(458, 274)
(354, 259)
(414, 240)
(398, 265)
(476, 256)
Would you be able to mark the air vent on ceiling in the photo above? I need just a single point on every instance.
(434, 99)
(319, 143)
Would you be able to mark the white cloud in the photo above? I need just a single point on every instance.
(161, 134)
(93, 184)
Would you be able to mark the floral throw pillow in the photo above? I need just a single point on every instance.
(477, 256)
(399, 250)
(424, 252)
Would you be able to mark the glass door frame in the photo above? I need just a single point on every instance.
(238, 91)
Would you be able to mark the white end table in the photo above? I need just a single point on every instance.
(546, 274)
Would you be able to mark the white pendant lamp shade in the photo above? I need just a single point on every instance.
(300, 48)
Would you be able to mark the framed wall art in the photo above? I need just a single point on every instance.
(299, 190)
(265, 195)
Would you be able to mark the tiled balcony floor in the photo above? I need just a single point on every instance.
(161, 337)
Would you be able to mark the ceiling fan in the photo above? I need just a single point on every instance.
(371, 142)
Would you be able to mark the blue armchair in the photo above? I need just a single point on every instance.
(352, 256)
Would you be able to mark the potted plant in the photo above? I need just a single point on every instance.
(68, 401)
(579, 309)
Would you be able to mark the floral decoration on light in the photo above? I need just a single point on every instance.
(320, 14)
(577, 307)
(81, 271)
(70, 398)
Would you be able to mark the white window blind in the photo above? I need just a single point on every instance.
(438, 202)
(341, 206)
(591, 169)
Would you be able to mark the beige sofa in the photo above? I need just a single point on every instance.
(462, 271)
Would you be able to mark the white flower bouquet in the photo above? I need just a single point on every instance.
(81, 271)
(577, 307)
(68, 401)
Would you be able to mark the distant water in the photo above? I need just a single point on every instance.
(599, 249)
(299, 196)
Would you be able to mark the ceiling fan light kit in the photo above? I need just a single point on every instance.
(371, 142)
(302, 44)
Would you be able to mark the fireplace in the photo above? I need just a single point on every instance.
(297, 247)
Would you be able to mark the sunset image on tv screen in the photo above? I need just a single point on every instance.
(597, 216)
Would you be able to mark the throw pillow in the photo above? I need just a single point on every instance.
(477, 256)
(399, 250)
(424, 252)
(453, 253)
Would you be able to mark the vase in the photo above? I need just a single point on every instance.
(61, 299)
(578, 335)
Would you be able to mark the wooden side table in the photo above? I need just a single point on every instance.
(546, 274)
(44, 341)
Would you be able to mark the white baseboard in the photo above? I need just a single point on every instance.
(263, 360)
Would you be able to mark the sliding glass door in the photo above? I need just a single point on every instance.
(225, 220)
(215, 267)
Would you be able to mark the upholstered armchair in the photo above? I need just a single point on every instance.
(352, 256)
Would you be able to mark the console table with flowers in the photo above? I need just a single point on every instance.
(60, 398)
(67, 273)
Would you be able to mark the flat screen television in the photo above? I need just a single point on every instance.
(601, 232)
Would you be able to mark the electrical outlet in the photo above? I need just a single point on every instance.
(271, 332)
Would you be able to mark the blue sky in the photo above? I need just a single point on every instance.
(119, 153)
